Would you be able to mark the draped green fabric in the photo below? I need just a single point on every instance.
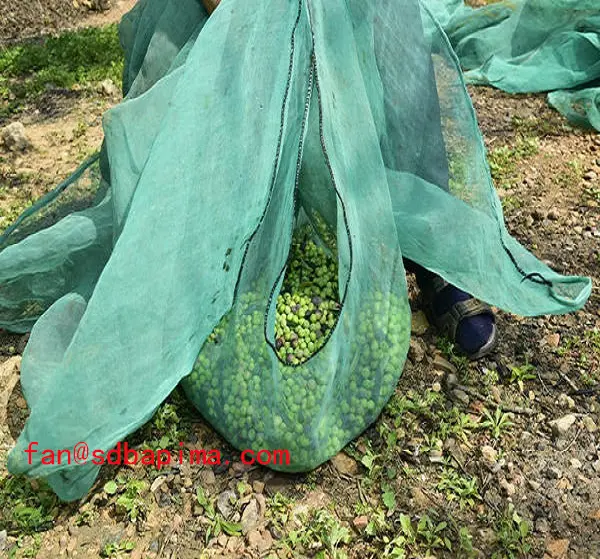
(526, 46)
(350, 115)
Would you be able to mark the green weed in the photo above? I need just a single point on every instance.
(26, 506)
(81, 57)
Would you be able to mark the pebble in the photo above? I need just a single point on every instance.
(542, 526)
(575, 463)
(436, 456)
(345, 464)
(562, 425)
(225, 503)
(534, 484)
(590, 176)
(416, 350)
(589, 424)
(508, 487)
(419, 323)
(258, 486)
(3, 538)
(441, 364)
(566, 401)
(496, 394)
(557, 549)
(553, 473)
(108, 88)
(553, 215)
(553, 340)
(250, 517)
(15, 138)
(207, 477)
(460, 396)
(489, 455)
(360, 523)
(222, 540)
(451, 380)
(157, 483)
(259, 541)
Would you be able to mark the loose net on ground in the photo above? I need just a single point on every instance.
(528, 46)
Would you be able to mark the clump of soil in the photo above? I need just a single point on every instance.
(21, 20)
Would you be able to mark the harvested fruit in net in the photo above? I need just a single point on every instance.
(297, 397)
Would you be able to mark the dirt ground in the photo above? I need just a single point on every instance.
(28, 20)
(545, 463)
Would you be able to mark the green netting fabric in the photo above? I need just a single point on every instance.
(349, 115)
(526, 46)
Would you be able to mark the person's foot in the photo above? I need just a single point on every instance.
(468, 322)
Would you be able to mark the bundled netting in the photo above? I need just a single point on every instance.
(527, 46)
(259, 187)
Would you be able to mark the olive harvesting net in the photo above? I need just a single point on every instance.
(257, 190)
(525, 46)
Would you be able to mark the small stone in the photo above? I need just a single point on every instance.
(538, 214)
(63, 541)
(590, 176)
(451, 380)
(222, 540)
(259, 541)
(596, 466)
(416, 350)
(508, 487)
(553, 473)
(496, 394)
(534, 484)
(460, 396)
(258, 486)
(553, 215)
(276, 532)
(565, 401)
(436, 456)
(253, 537)
(436, 387)
(234, 544)
(360, 523)
(345, 464)
(157, 483)
(489, 455)
(266, 541)
(198, 510)
(589, 424)
(262, 504)
(557, 549)
(441, 364)
(207, 477)
(575, 463)
(15, 138)
(562, 425)
(553, 340)
(225, 502)
(108, 88)
(250, 517)
(419, 323)
(3, 538)
(542, 526)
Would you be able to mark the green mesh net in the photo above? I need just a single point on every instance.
(270, 133)
(526, 46)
